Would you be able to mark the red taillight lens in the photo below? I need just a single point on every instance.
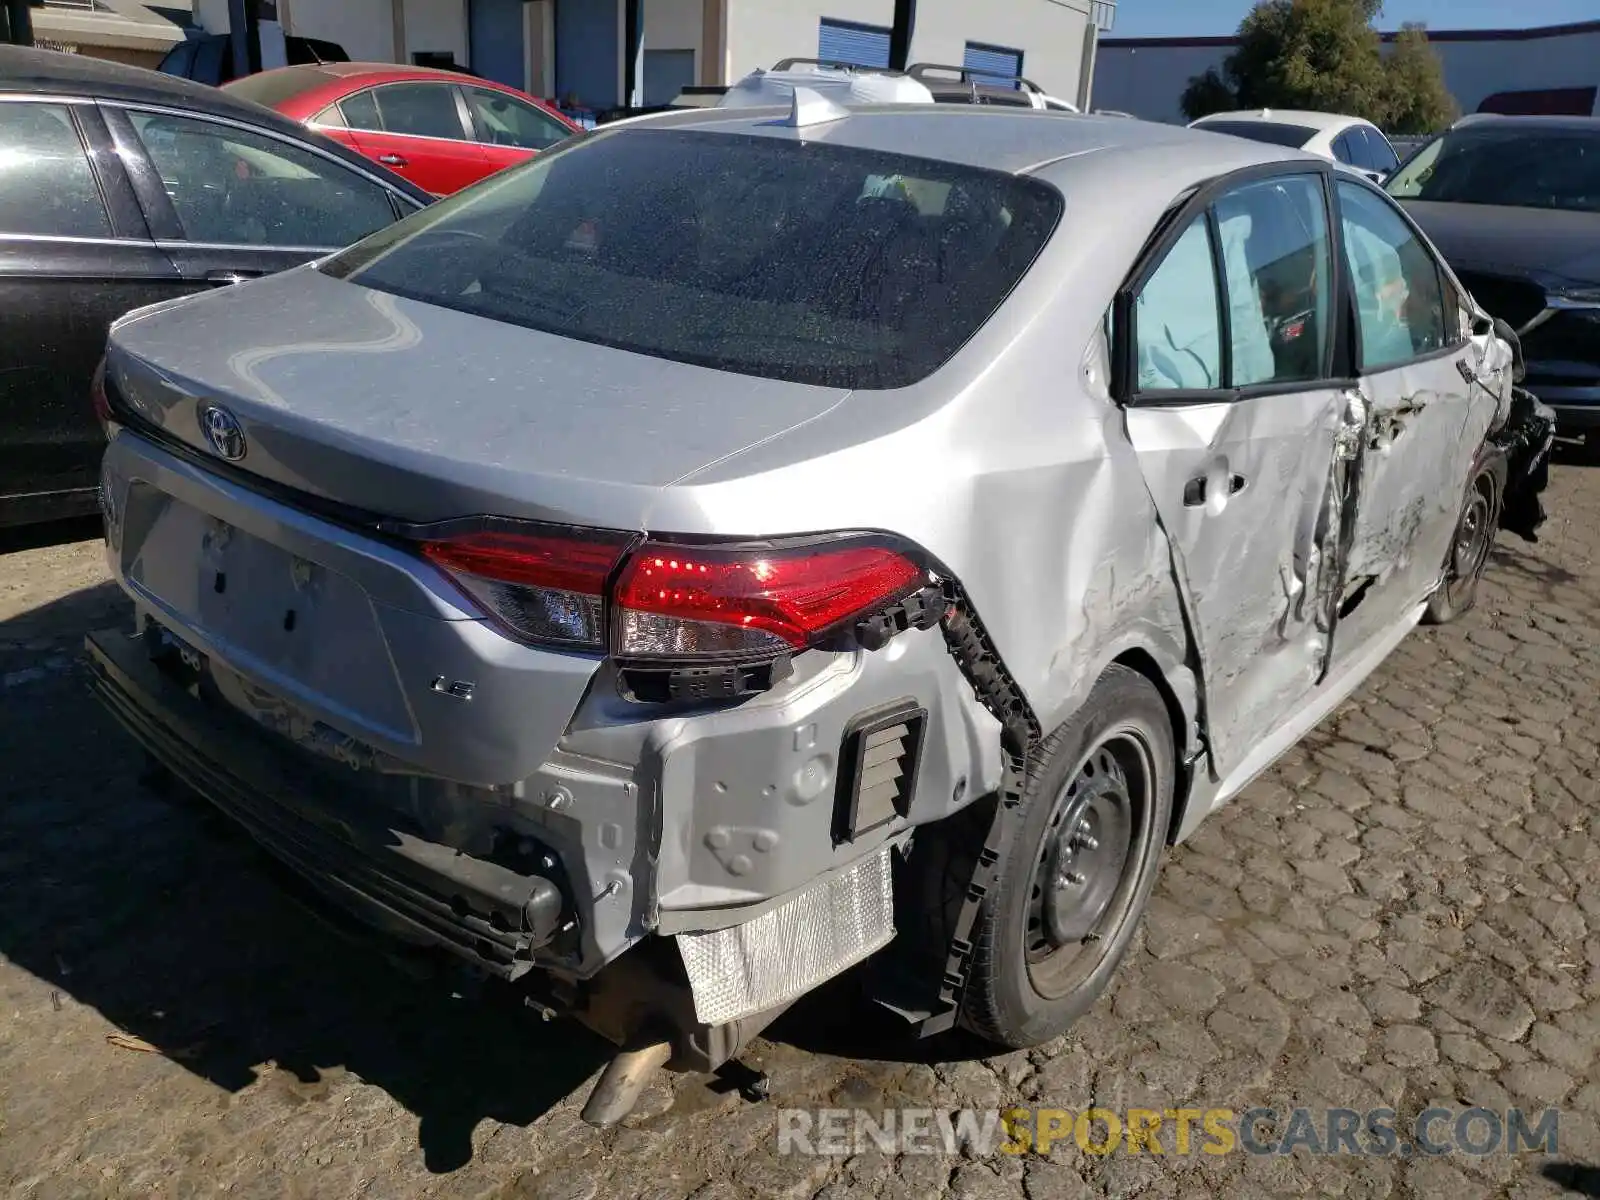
(543, 586)
(97, 396)
(686, 601)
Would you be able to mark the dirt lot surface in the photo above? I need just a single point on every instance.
(1404, 911)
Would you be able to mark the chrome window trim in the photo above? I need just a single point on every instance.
(178, 244)
(73, 240)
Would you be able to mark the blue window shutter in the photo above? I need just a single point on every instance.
(848, 41)
(996, 59)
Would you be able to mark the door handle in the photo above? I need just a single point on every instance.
(228, 278)
(394, 160)
(1194, 492)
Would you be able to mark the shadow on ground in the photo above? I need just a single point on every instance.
(1574, 1177)
(174, 927)
(48, 533)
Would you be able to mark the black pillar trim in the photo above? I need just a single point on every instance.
(905, 23)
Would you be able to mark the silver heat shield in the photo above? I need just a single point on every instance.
(787, 951)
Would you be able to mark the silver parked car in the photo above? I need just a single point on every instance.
(742, 543)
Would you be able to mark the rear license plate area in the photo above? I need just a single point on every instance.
(306, 633)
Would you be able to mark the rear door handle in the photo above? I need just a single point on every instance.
(227, 278)
(1194, 492)
(394, 160)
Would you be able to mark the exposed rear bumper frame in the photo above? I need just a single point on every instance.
(422, 892)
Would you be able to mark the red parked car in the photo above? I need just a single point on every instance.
(442, 130)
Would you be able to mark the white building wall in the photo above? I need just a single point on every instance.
(760, 32)
(365, 28)
(1475, 70)
(673, 24)
(1048, 32)
(1148, 80)
(437, 25)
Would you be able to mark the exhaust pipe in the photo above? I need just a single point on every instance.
(622, 1082)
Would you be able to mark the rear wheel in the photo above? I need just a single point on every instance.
(1076, 866)
(1469, 551)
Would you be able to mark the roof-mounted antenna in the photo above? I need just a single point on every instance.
(813, 108)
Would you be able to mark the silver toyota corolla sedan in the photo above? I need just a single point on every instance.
(743, 543)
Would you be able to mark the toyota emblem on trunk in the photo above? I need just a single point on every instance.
(222, 431)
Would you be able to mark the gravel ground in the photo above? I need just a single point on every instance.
(1403, 911)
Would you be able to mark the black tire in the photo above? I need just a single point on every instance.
(1469, 548)
(1031, 976)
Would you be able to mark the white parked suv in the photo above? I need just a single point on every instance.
(1347, 140)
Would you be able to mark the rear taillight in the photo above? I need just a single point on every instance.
(670, 603)
(98, 397)
(543, 586)
(676, 602)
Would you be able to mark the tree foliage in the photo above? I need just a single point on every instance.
(1419, 101)
(1326, 56)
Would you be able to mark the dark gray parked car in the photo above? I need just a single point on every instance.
(121, 187)
(1514, 204)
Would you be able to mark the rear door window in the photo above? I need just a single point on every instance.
(419, 110)
(230, 186)
(1400, 304)
(1277, 261)
(1177, 319)
(800, 261)
(46, 184)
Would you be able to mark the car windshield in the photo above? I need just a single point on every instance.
(761, 255)
(1274, 133)
(1516, 166)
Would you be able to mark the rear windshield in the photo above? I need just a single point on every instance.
(271, 88)
(760, 255)
(1520, 167)
(1274, 133)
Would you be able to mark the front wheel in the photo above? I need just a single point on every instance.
(1077, 866)
(1469, 551)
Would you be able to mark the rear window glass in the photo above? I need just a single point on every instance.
(760, 255)
(1274, 133)
(272, 88)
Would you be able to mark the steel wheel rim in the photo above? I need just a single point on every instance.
(1473, 539)
(1087, 866)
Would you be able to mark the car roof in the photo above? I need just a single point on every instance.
(322, 74)
(1289, 116)
(1013, 140)
(51, 73)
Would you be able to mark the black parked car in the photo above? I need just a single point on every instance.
(120, 187)
(1514, 205)
(208, 58)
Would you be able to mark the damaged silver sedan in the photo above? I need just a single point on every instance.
(742, 544)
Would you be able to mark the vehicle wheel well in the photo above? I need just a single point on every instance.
(1142, 661)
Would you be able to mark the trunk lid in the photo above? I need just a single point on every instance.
(416, 412)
